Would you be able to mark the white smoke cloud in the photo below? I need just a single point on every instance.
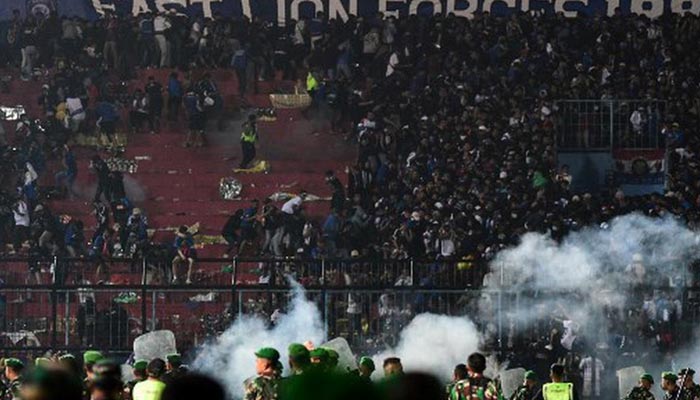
(231, 360)
(580, 276)
(434, 344)
(589, 273)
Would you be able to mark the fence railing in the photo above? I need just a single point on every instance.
(73, 318)
(608, 124)
(443, 273)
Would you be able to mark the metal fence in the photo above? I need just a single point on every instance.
(442, 273)
(607, 124)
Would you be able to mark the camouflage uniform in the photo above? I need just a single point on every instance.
(691, 393)
(260, 388)
(639, 393)
(475, 387)
(671, 395)
(523, 392)
(14, 390)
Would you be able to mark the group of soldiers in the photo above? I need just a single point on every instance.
(686, 389)
(98, 378)
(468, 383)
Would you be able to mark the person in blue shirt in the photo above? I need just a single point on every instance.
(175, 94)
(66, 177)
(107, 117)
(184, 252)
(100, 252)
(74, 239)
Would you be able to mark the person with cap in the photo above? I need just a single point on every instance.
(299, 358)
(476, 386)
(557, 389)
(690, 390)
(249, 137)
(174, 368)
(140, 375)
(643, 391)
(319, 358)
(152, 388)
(264, 385)
(68, 363)
(13, 375)
(366, 367)
(669, 386)
(90, 358)
(528, 390)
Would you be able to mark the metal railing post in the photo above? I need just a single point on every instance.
(323, 271)
(234, 270)
(411, 266)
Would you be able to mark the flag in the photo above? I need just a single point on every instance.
(639, 167)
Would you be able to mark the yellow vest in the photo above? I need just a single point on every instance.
(311, 82)
(248, 135)
(148, 390)
(558, 391)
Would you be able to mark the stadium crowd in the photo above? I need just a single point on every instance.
(455, 120)
(314, 373)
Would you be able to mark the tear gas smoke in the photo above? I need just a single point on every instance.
(230, 357)
(592, 274)
(434, 344)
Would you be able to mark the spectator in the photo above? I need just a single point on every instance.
(184, 252)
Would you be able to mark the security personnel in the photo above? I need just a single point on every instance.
(140, 375)
(668, 384)
(476, 386)
(319, 359)
(643, 391)
(528, 390)
(691, 391)
(299, 358)
(558, 389)
(366, 367)
(264, 385)
(249, 136)
(13, 374)
(174, 367)
(90, 358)
(152, 388)
(333, 358)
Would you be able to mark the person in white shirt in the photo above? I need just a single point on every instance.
(592, 369)
(20, 234)
(76, 113)
(293, 205)
(161, 24)
(393, 63)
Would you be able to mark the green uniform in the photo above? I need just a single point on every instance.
(639, 393)
(261, 388)
(475, 387)
(524, 392)
(14, 390)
